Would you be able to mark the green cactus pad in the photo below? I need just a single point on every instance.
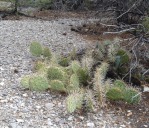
(74, 101)
(40, 66)
(57, 85)
(64, 61)
(131, 96)
(120, 84)
(83, 76)
(56, 73)
(71, 103)
(75, 65)
(122, 57)
(25, 81)
(38, 83)
(114, 93)
(47, 53)
(36, 49)
(74, 83)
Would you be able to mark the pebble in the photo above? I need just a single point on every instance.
(2, 83)
(123, 126)
(3, 101)
(38, 107)
(129, 114)
(49, 105)
(90, 125)
(20, 120)
(146, 126)
(49, 122)
(25, 95)
(70, 118)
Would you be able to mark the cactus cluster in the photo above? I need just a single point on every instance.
(84, 80)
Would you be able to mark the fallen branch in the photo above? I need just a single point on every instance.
(120, 32)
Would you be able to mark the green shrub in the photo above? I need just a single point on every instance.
(57, 85)
(36, 49)
(47, 53)
(38, 83)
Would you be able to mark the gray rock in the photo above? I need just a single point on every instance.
(90, 125)
(49, 105)
(49, 122)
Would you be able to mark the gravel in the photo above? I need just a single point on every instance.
(21, 108)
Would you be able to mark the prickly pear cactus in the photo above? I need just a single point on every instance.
(40, 66)
(114, 93)
(64, 61)
(83, 76)
(132, 96)
(55, 73)
(75, 65)
(57, 85)
(47, 53)
(122, 57)
(36, 49)
(120, 84)
(38, 83)
(25, 81)
(74, 101)
(74, 80)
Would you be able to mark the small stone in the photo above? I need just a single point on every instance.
(25, 95)
(3, 101)
(70, 118)
(90, 125)
(81, 117)
(57, 119)
(129, 114)
(13, 125)
(19, 120)
(49, 122)
(146, 89)
(146, 126)
(1, 69)
(22, 104)
(49, 105)
(1, 83)
(38, 107)
(123, 126)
